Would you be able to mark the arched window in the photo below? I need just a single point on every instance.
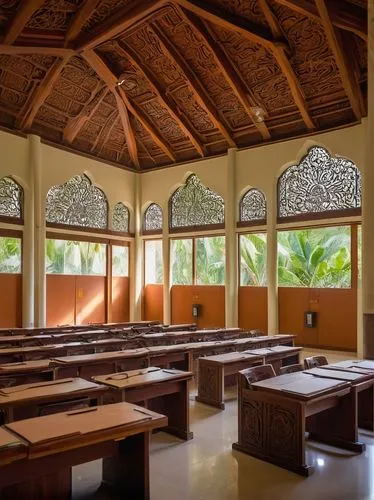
(121, 218)
(252, 207)
(319, 184)
(11, 199)
(193, 205)
(152, 221)
(77, 202)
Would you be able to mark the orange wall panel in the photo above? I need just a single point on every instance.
(90, 299)
(253, 304)
(211, 298)
(60, 299)
(120, 299)
(10, 300)
(153, 303)
(336, 316)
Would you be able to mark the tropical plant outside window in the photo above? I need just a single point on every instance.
(253, 259)
(75, 257)
(120, 260)
(181, 262)
(153, 262)
(10, 255)
(315, 258)
(210, 260)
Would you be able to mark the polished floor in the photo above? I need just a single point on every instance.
(206, 468)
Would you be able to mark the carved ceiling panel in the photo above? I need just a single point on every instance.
(54, 15)
(104, 10)
(7, 10)
(244, 8)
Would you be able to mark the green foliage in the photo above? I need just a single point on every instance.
(315, 258)
(10, 255)
(210, 261)
(253, 260)
(120, 260)
(75, 257)
(181, 262)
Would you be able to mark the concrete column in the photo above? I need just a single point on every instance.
(166, 265)
(231, 208)
(271, 262)
(138, 276)
(368, 205)
(39, 234)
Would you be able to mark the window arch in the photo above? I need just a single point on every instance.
(120, 218)
(77, 202)
(320, 183)
(252, 207)
(152, 220)
(193, 205)
(11, 199)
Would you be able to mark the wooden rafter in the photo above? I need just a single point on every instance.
(127, 129)
(41, 93)
(105, 132)
(200, 94)
(339, 16)
(98, 65)
(350, 83)
(76, 124)
(169, 104)
(80, 19)
(237, 85)
(20, 20)
(13, 50)
(119, 22)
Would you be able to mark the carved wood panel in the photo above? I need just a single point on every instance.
(54, 15)
(244, 8)
(7, 11)
(104, 10)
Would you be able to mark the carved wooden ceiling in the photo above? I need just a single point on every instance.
(148, 83)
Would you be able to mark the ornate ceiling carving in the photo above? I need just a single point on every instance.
(144, 84)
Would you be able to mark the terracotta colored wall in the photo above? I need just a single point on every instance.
(253, 303)
(336, 321)
(120, 299)
(212, 299)
(153, 302)
(10, 300)
(60, 300)
(90, 293)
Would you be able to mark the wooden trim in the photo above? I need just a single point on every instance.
(331, 214)
(11, 233)
(127, 129)
(150, 232)
(107, 232)
(191, 229)
(18, 23)
(354, 257)
(194, 262)
(11, 220)
(109, 283)
(327, 347)
(24, 50)
(70, 237)
(80, 19)
(254, 223)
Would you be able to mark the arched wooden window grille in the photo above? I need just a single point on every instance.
(252, 208)
(194, 205)
(320, 186)
(77, 202)
(11, 199)
(152, 220)
(121, 218)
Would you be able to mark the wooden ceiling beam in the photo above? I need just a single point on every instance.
(80, 19)
(350, 83)
(127, 129)
(13, 50)
(200, 94)
(167, 102)
(41, 93)
(98, 65)
(18, 23)
(119, 22)
(237, 85)
(339, 16)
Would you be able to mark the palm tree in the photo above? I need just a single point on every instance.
(253, 260)
(210, 260)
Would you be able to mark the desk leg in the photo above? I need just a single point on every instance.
(127, 471)
(211, 386)
(366, 409)
(56, 486)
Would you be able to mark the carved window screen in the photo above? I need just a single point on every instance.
(121, 218)
(252, 207)
(11, 199)
(319, 183)
(194, 205)
(152, 221)
(77, 202)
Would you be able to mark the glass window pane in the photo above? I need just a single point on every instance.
(315, 258)
(10, 255)
(253, 260)
(120, 260)
(153, 262)
(210, 260)
(75, 257)
(181, 262)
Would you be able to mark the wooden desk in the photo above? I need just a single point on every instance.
(273, 413)
(11, 448)
(214, 369)
(278, 356)
(25, 372)
(32, 400)
(118, 432)
(164, 391)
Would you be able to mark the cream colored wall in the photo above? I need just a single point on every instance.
(14, 157)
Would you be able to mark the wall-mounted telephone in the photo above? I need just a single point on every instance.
(310, 318)
(196, 310)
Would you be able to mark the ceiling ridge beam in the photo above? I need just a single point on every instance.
(19, 21)
(200, 94)
(245, 96)
(80, 19)
(41, 93)
(101, 68)
(350, 83)
(127, 129)
(170, 105)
